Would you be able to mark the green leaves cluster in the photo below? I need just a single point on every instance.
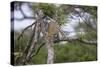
(48, 9)
(51, 10)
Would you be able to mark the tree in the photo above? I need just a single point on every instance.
(48, 20)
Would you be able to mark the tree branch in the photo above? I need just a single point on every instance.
(36, 52)
(22, 12)
(84, 20)
(25, 30)
(21, 19)
(79, 40)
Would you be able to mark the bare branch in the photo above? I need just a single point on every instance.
(84, 20)
(23, 13)
(23, 18)
(36, 52)
(79, 40)
(25, 51)
(25, 30)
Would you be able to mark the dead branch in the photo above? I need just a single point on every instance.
(25, 30)
(21, 19)
(21, 60)
(19, 8)
(34, 42)
(79, 40)
(36, 52)
(84, 20)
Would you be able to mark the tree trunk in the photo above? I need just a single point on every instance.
(50, 49)
(49, 44)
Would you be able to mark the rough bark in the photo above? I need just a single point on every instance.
(50, 49)
(49, 44)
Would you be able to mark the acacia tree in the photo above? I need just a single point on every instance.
(44, 15)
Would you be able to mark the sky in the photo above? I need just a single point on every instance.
(18, 25)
